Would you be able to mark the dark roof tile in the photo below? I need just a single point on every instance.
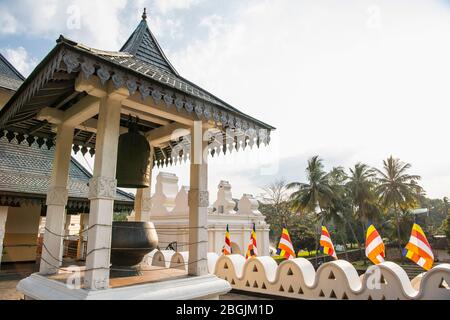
(25, 169)
(8, 70)
(143, 45)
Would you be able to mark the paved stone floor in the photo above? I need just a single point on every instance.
(10, 275)
(8, 288)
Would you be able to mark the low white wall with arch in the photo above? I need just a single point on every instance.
(336, 280)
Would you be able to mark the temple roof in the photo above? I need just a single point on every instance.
(25, 174)
(143, 45)
(10, 78)
(143, 69)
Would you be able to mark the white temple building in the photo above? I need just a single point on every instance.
(170, 213)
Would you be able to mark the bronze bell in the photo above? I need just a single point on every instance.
(133, 159)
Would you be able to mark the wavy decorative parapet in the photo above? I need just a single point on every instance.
(333, 280)
(338, 279)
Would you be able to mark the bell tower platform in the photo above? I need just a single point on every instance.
(156, 284)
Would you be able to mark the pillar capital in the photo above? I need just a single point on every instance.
(102, 188)
(57, 196)
(198, 198)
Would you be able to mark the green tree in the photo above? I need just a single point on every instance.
(397, 190)
(120, 216)
(316, 193)
(302, 232)
(276, 208)
(446, 222)
(361, 188)
(335, 213)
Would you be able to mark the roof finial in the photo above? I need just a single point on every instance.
(144, 15)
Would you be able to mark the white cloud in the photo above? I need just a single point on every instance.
(353, 80)
(20, 59)
(334, 76)
(99, 24)
(8, 24)
(214, 23)
(165, 6)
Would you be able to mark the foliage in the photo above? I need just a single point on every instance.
(398, 191)
(317, 193)
(361, 187)
(346, 202)
(120, 216)
(446, 222)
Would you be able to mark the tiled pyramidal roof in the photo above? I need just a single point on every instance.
(26, 170)
(10, 78)
(143, 45)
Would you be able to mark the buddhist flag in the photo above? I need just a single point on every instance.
(326, 246)
(252, 250)
(227, 248)
(418, 249)
(374, 246)
(285, 247)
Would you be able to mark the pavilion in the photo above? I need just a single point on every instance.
(81, 98)
(24, 181)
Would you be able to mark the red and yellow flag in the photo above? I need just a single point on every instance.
(285, 247)
(252, 250)
(326, 246)
(375, 250)
(227, 247)
(418, 249)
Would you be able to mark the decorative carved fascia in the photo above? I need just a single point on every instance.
(57, 196)
(102, 188)
(205, 107)
(198, 198)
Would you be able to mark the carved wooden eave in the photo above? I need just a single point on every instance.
(55, 86)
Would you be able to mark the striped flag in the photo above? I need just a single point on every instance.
(252, 250)
(285, 247)
(227, 247)
(418, 249)
(374, 246)
(326, 246)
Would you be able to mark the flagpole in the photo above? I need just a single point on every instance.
(318, 240)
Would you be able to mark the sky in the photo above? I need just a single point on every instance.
(348, 80)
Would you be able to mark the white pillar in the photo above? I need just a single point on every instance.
(57, 194)
(143, 199)
(198, 204)
(3, 217)
(102, 191)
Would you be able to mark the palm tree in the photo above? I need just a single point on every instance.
(339, 204)
(397, 190)
(446, 206)
(317, 193)
(361, 187)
